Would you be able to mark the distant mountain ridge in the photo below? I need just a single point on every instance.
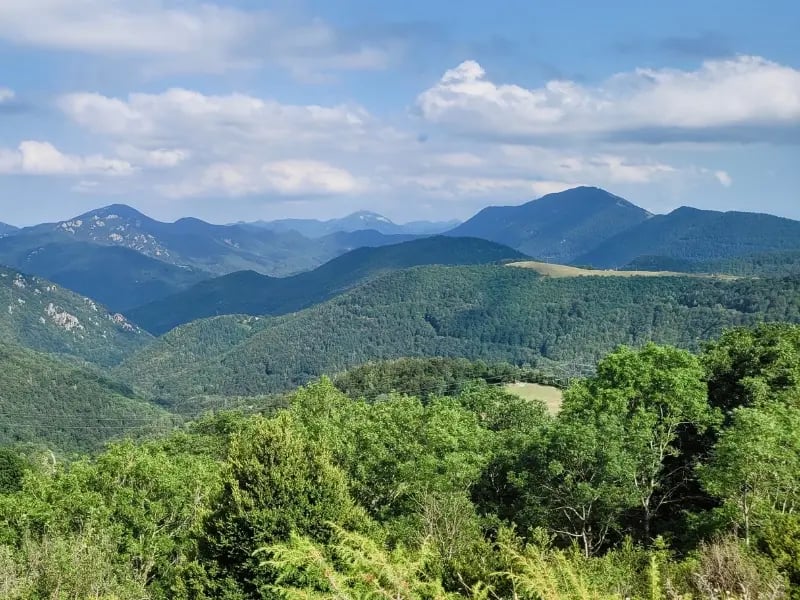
(357, 221)
(248, 292)
(557, 227)
(6, 229)
(692, 234)
(186, 242)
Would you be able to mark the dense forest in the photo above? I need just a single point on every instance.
(493, 313)
(248, 292)
(696, 235)
(667, 474)
(47, 402)
(769, 264)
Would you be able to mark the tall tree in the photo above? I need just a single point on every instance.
(639, 402)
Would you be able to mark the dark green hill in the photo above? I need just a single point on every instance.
(46, 401)
(43, 316)
(118, 277)
(556, 227)
(696, 235)
(493, 313)
(766, 264)
(247, 292)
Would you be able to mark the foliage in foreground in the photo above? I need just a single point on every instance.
(666, 475)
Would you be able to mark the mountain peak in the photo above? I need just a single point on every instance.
(589, 194)
(112, 212)
(366, 215)
(556, 227)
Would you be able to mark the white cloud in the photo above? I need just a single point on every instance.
(745, 97)
(182, 114)
(42, 158)
(192, 145)
(189, 36)
(724, 178)
(159, 158)
(6, 95)
(455, 186)
(283, 178)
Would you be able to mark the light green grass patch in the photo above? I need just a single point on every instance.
(555, 270)
(551, 396)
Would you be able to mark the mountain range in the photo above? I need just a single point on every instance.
(190, 242)
(257, 308)
(357, 221)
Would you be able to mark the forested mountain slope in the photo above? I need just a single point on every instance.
(490, 312)
(691, 234)
(6, 229)
(47, 402)
(250, 293)
(43, 316)
(118, 277)
(762, 264)
(556, 227)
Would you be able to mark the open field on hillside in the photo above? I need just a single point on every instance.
(551, 396)
(556, 270)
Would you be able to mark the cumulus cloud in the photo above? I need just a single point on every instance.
(187, 144)
(283, 178)
(42, 158)
(189, 36)
(455, 186)
(746, 98)
(184, 114)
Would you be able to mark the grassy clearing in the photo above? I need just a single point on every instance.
(551, 396)
(554, 270)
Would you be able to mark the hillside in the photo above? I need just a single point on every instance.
(489, 312)
(556, 227)
(689, 234)
(762, 264)
(361, 220)
(43, 316)
(118, 277)
(44, 401)
(6, 229)
(250, 293)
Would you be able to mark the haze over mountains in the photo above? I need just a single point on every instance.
(361, 220)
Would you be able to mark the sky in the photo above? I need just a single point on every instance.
(234, 110)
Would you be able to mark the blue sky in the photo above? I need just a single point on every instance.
(245, 109)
